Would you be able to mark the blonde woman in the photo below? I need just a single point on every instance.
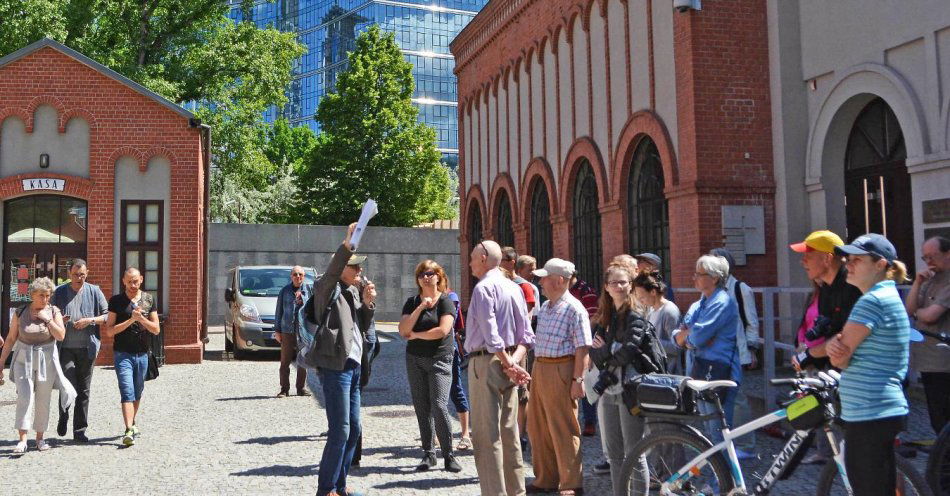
(35, 368)
(872, 352)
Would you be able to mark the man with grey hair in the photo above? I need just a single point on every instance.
(85, 308)
(289, 301)
(498, 336)
(927, 303)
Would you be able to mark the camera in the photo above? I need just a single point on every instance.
(821, 329)
(606, 379)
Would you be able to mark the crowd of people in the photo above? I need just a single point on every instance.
(54, 341)
(539, 344)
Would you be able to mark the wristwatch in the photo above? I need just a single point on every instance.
(579, 380)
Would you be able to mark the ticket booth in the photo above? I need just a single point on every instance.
(98, 167)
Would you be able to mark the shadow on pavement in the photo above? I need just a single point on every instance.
(242, 398)
(269, 441)
(428, 483)
(280, 471)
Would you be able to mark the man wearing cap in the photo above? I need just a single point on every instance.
(289, 301)
(340, 353)
(498, 336)
(648, 263)
(561, 343)
(836, 296)
(927, 303)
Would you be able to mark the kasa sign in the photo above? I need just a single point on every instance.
(44, 184)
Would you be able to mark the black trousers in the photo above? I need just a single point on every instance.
(937, 390)
(869, 455)
(78, 367)
(288, 354)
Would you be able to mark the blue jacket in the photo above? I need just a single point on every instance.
(285, 315)
(713, 323)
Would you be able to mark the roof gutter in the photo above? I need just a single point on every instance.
(205, 131)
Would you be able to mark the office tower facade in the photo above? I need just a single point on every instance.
(329, 28)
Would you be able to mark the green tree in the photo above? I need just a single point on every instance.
(372, 146)
(187, 51)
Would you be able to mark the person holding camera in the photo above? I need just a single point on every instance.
(623, 342)
(833, 300)
(132, 315)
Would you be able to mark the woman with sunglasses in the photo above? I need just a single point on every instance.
(426, 324)
(872, 352)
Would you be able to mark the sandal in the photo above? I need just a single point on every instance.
(20, 448)
(42, 445)
(465, 444)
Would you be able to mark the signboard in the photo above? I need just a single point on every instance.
(44, 184)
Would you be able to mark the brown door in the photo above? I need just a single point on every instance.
(42, 235)
(877, 185)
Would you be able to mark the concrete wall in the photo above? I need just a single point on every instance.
(393, 254)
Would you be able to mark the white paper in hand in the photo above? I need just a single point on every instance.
(369, 211)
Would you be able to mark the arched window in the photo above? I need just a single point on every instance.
(542, 245)
(474, 225)
(877, 184)
(647, 209)
(588, 256)
(504, 232)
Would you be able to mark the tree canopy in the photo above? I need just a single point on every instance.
(372, 145)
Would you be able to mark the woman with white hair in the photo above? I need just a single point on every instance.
(709, 330)
(35, 368)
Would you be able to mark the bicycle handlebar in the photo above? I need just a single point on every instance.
(825, 380)
(939, 336)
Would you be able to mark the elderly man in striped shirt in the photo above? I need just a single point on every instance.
(561, 342)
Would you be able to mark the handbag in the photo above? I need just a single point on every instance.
(152, 371)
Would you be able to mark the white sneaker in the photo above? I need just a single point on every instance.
(42, 445)
(20, 448)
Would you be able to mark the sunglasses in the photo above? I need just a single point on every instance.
(428, 273)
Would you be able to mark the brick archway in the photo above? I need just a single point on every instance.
(77, 187)
(641, 124)
(583, 148)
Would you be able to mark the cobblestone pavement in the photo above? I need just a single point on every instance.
(216, 428)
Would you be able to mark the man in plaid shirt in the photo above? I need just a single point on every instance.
(561, 343)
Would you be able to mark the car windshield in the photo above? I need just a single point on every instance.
(268, 282)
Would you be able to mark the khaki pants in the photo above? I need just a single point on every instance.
(553, 429)
(37, 397)
(495, 439)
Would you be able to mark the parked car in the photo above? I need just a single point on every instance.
(252, 302)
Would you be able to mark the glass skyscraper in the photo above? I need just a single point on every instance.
(329, 28)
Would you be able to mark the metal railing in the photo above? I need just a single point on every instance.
(775, 306)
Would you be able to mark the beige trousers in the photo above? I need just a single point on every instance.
(495, 438)
(38, 396)
(553, 429)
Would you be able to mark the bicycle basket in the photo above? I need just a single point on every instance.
(809, 412)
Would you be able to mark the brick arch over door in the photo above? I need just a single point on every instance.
(475, 199)
(76, 187)
(503, 190)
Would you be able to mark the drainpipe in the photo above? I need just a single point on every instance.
(205, 131)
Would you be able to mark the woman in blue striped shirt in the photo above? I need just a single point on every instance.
(872, 352)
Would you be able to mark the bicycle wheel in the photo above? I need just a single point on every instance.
(652, 463)
(938, 466)
(909, 481)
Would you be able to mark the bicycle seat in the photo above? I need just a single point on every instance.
(699, 386)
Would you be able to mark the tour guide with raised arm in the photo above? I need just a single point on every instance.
(339, 351)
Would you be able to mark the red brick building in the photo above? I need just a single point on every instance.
(590, 128)
(95, 166)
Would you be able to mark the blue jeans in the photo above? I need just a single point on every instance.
(713, 371)
(457, 392)
(130, 369)
(341, 394)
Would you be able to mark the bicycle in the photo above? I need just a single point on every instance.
(714, 469)
(938, 465)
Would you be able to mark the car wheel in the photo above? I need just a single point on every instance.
(239, 354)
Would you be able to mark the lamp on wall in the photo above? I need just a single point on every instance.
(44, 160)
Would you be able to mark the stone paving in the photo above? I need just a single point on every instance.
(216, 428)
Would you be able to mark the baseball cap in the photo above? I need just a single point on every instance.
(823, 241)
(870, 244)
(556, 267)
(651, 258)
(356, 260)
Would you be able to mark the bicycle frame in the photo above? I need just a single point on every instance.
(775, 470)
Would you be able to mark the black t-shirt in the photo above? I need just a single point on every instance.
(134, 339)
(428, 319)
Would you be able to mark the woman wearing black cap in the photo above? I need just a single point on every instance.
(872, 352)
